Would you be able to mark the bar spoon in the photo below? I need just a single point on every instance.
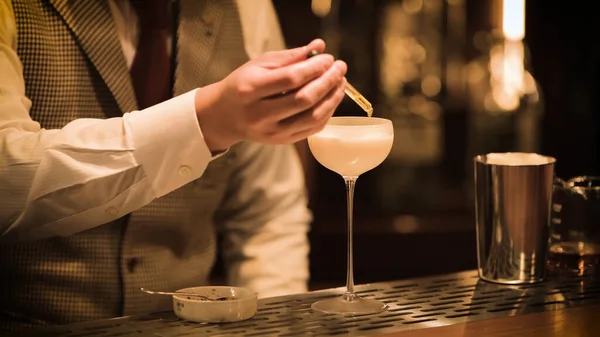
(172, 293)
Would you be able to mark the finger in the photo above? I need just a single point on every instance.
(298, 136)
(288, 133)
(305, 98)
(314, 118)
(282, 58)
(309, 122)
(292, 77)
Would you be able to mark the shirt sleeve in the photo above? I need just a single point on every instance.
(92, 171)
(265, 217)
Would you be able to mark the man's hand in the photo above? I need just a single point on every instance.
(280, 97)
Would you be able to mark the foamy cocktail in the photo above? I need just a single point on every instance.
(351, 146)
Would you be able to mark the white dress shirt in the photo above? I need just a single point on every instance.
(165, 140)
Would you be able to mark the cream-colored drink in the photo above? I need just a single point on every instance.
(352, 148)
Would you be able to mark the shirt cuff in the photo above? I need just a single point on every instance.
(168, 142)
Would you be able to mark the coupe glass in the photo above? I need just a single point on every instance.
(351, 146)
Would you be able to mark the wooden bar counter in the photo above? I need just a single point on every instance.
(576, 322)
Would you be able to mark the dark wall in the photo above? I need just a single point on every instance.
(565, 54)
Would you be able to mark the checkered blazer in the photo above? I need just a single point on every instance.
(74, 68)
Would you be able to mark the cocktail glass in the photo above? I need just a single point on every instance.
(351, 146)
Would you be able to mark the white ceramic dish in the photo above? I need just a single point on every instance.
(230, 304)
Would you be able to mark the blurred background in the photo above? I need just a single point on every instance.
(458, 78)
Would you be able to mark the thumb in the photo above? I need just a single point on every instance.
(282, 58)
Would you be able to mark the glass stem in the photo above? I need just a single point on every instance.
(350, 182)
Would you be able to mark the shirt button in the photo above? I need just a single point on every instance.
(111, 211)
(132, 263)
(184, 171)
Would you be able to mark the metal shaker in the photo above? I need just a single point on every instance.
(513, 196)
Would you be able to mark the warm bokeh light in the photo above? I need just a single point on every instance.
(507, 62)
(513, 19)
(514, 55)
(321, 7)
(412, 6)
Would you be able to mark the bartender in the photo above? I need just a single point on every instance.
(133, 132)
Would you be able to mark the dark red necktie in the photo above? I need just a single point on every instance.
(151, 68)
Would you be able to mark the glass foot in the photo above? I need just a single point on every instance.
(349, 304)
